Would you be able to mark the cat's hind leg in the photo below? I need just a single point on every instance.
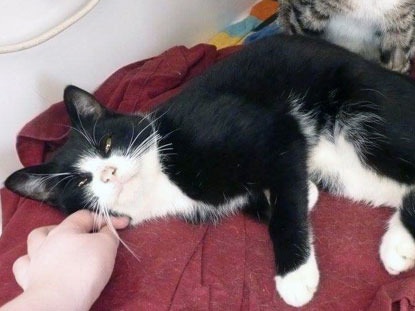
(397, 249)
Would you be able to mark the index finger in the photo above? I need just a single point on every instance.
(81, 221)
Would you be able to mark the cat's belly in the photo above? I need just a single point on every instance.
(338, 167)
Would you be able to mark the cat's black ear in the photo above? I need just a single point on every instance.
(35, 182)
(81, 105)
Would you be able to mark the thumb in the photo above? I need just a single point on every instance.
(20, 268)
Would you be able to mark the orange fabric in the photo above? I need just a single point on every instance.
(264, 9)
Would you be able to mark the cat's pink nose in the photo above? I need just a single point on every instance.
(108, 174)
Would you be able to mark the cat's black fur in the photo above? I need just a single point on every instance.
(234, 127)
(233, 131)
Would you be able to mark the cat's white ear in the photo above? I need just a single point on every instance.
(35, 182)
(81, 105)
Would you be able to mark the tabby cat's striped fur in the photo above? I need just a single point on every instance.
(380, 30)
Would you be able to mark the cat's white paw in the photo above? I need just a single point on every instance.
(298, 287)
(397, 249)
(312, 195)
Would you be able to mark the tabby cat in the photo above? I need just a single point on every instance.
(380, 30)
(253, 133)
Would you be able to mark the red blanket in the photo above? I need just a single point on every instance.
(228, 266)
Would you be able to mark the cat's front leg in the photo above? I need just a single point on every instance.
(298, 287)
(397, 249)
(395, 48)
(297, 271)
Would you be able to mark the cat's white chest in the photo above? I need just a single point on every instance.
(151, 194)
(159, 197)
(371, 10)
(358, 27)
(148, 197)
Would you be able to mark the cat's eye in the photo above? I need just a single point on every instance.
(83, 182)
(108, 143)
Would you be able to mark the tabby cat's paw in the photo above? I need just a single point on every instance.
(397, 250)
(298, 287)
(396, 61)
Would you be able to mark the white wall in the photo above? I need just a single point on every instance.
(115, 33)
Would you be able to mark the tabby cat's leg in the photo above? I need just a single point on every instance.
(297, 272)
(303, 18)
(397, 44)
(397, 249)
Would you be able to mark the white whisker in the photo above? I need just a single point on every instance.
(87, 137)
(131, 141)
(93, 132)
(84, 135)
(107, 217)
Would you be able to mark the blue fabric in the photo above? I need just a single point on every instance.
(243, 27)
(269, 30)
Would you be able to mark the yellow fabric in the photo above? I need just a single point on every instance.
(223, 40)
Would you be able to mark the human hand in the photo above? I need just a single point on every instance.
(66, 265)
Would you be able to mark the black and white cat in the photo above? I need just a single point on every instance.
(250, 134)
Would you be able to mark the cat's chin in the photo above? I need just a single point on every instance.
(125, 197)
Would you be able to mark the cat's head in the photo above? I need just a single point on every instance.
(101, 164)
